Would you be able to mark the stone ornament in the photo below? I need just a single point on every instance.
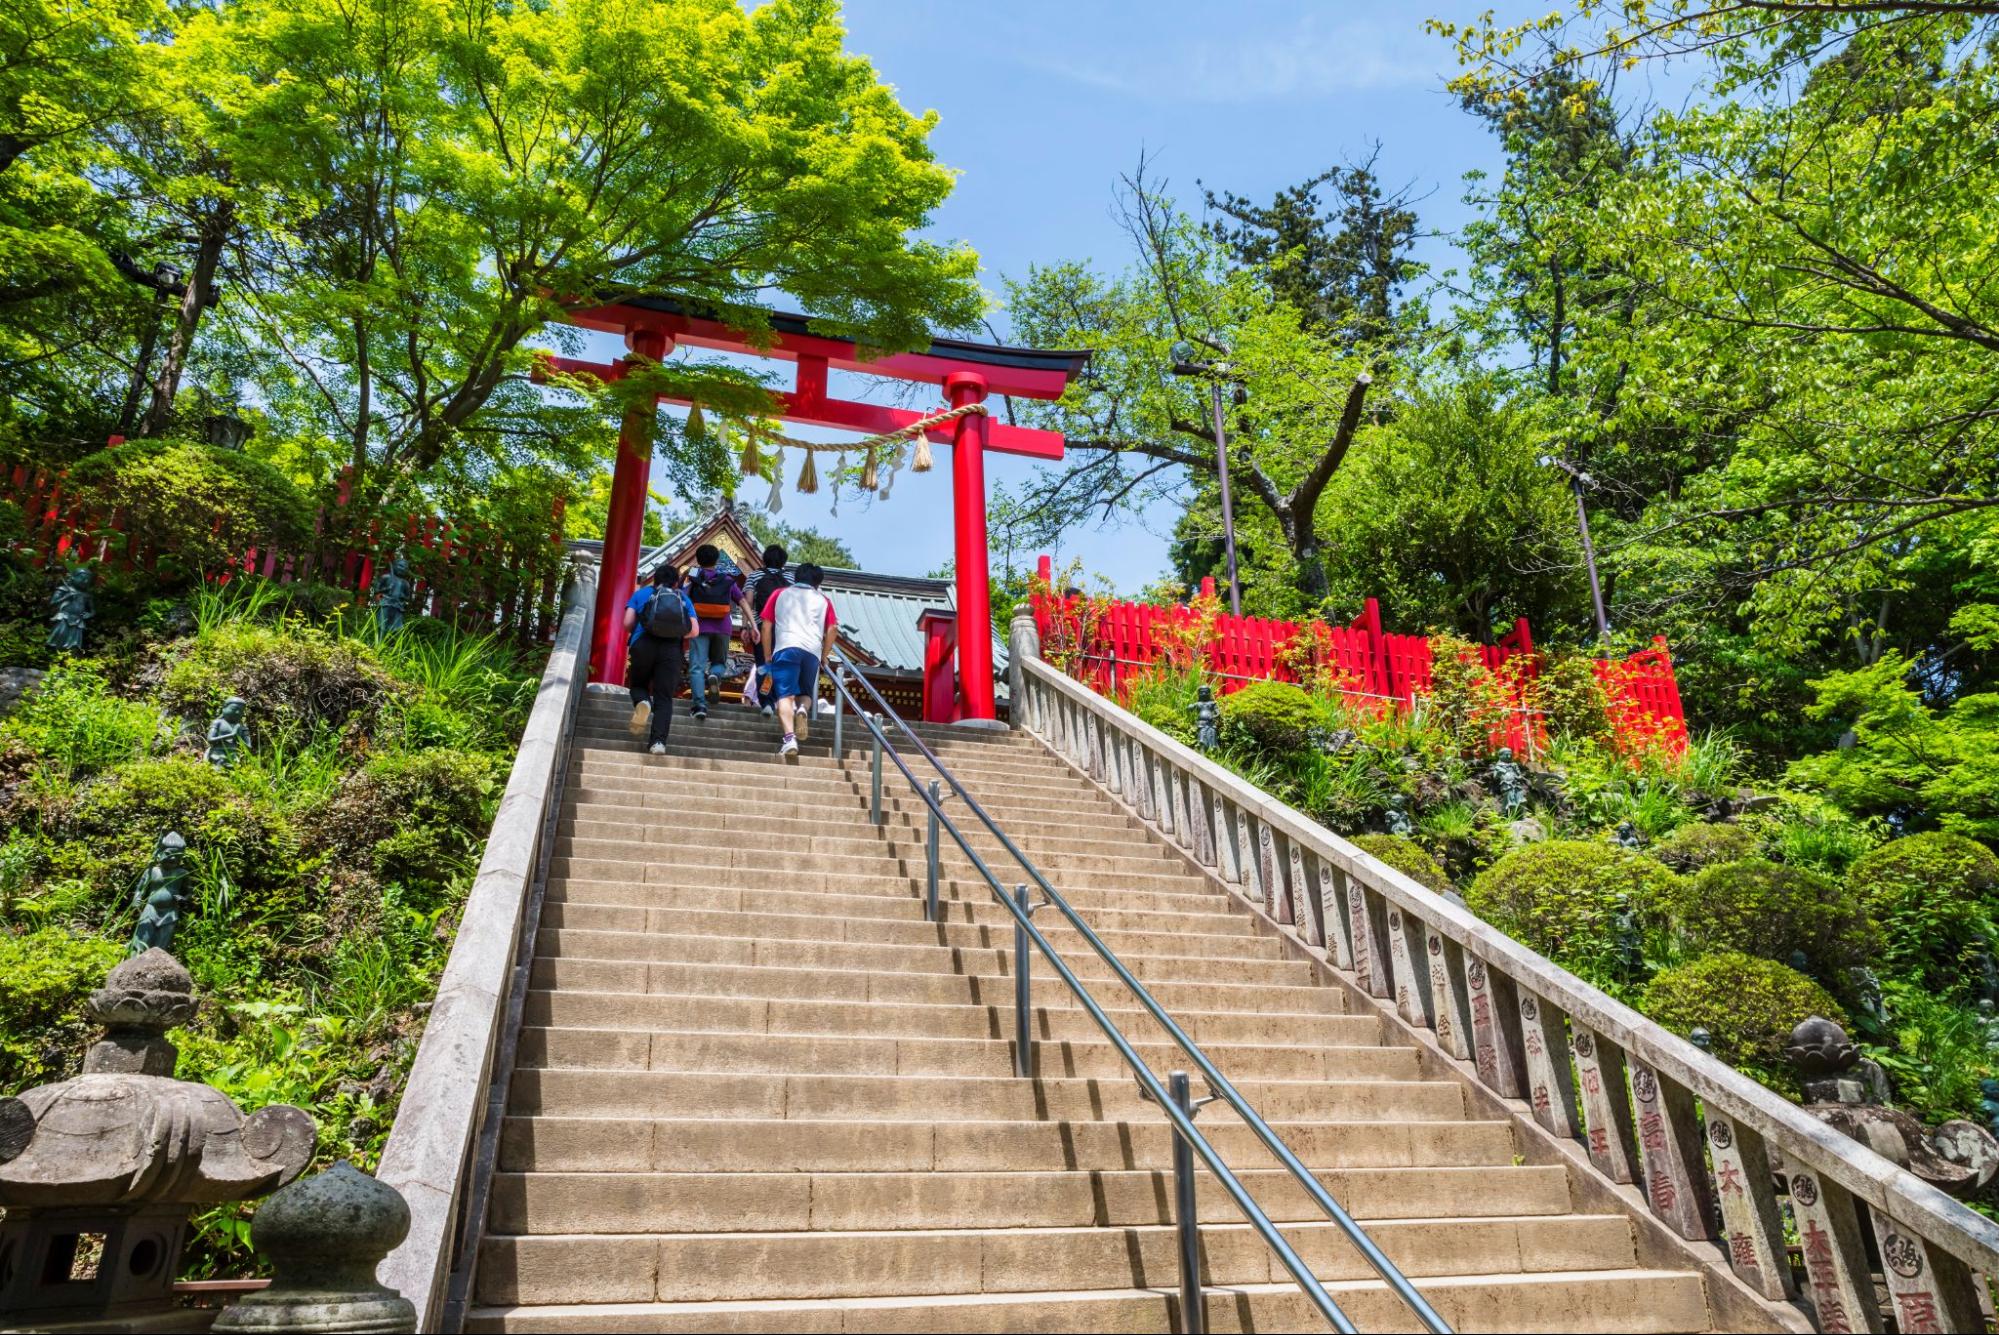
(1207, 718)
(1398, 817)
(228, 734)
(117, 1158)
(324, 1236)
(74, 607)
(158, 895)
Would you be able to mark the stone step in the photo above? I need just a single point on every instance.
(633, 1145)
(811, 1098)
(689, 737)
(1636, 1301)
(728, 828)
(785, 853)
(887, 875)
(582, 964)
(712, 1267)
(612, 795)
(780, 784)
(542, 1203)
(755, 1015)
(582, 1048)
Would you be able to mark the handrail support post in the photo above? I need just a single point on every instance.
(1186, 1217)
(1023, 991)
(875, 802)
(930, 897)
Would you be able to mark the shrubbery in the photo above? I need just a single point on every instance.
(1406, 857)
(412, 817)
(199, 506)
(1762, 908)
(1272, 717)
(296, 677)
(1748, 1005)
(44, 977)
(1699, 844)
(1569, 899)
(1935, 896)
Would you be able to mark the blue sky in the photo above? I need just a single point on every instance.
(1043, 104)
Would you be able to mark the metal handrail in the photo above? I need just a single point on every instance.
(1178, 1107)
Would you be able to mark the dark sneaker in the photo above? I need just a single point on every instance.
(700, 713)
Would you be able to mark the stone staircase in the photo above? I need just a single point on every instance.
(757, 1091)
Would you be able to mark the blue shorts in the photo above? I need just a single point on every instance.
(794, 672)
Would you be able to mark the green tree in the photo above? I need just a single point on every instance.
(800, 542)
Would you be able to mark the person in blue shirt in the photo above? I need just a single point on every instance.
(657, 654)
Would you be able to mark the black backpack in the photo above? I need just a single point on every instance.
(708, 590)
(768, 583)
(666, 616)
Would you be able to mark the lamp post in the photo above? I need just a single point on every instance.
(1186, 364)
(1579, 480)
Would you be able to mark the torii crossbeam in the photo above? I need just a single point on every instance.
(966, 372)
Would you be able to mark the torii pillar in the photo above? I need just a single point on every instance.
(624, 525)
(968, 518)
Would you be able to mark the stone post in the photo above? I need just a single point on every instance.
(1023, 642)
(324, 1236)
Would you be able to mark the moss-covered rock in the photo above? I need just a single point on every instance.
(1936, 897)
(1763, 908)
(1273, 717)
(1748, 1006)
(1699, 844)
(1407, 857)
(44, 978)
(1565, 898)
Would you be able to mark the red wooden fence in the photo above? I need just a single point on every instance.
(1104, 642)
(469, 573)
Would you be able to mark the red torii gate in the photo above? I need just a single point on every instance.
(967, 372)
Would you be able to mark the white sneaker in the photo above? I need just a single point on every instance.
(788, 748)
(802, 723)
(657, 748)
(641, 718)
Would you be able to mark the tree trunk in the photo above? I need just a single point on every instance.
(198, 297)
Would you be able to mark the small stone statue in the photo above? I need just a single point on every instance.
(1510, 782)
(1988, 1017)
(1398, 817)
(1627, 836)
(1869, 1010)
(1207, 719)
(1801, 961)
(227, 734)
(74, 608)
(157, 895)
(1631, 944)
(393, 588)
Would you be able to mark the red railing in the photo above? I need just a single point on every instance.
(469, 573)
(1103, 643)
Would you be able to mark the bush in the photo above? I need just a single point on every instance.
(1749, 1006)
(1935, 896)
(1164, 697)
(74, 727)
(1692, 847)
(295, 677)
(1761, 908)
(1572, 701)
(1406, 857)
(1272, 717)
(200, 506)
(44, 978)
(410, 817)
(1564, 898)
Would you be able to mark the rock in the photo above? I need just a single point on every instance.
(1526, 830)
(16, 682)
(324, 1236)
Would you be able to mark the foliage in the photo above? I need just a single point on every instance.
(1749, 1006)
(1700, 844)
(75, 728)
(412, 817)
(1938, 1053)
(1571, 701)
(199, 507)
(1935, 896)
(296, 677)
(802, 544)
(44, 977)
(1406, 857)
(1271, 717)
(1568, 899)
(1762, 908)
(1165, 697)
(1470, 703)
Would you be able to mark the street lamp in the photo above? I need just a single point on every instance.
(1579, 480)
(1186, 363)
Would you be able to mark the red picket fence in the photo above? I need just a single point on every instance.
(468, 573)
(1104, 643)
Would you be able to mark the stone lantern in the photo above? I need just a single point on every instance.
(99, 1174)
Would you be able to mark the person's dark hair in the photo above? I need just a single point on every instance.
(707, 554)
(775, 557)
(666, 576)
(810, 574)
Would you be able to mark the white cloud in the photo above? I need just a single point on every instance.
(1309, 59)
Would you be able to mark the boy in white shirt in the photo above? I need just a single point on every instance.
(798, 626)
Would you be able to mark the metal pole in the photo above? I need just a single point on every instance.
(936, 796)
(839, 712)
(1589, 559)
(1023, 994)
(1193, 1309)
(875, 804)
(1228, 510)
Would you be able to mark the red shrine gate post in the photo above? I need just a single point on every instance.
(966, 372)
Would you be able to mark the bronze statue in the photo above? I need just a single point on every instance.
(1510, 781)
(157, 895)
(1207, 719)
(227, 734)
(393, 588)
(74, 608)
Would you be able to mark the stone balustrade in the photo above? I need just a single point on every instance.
(1716, 1155)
